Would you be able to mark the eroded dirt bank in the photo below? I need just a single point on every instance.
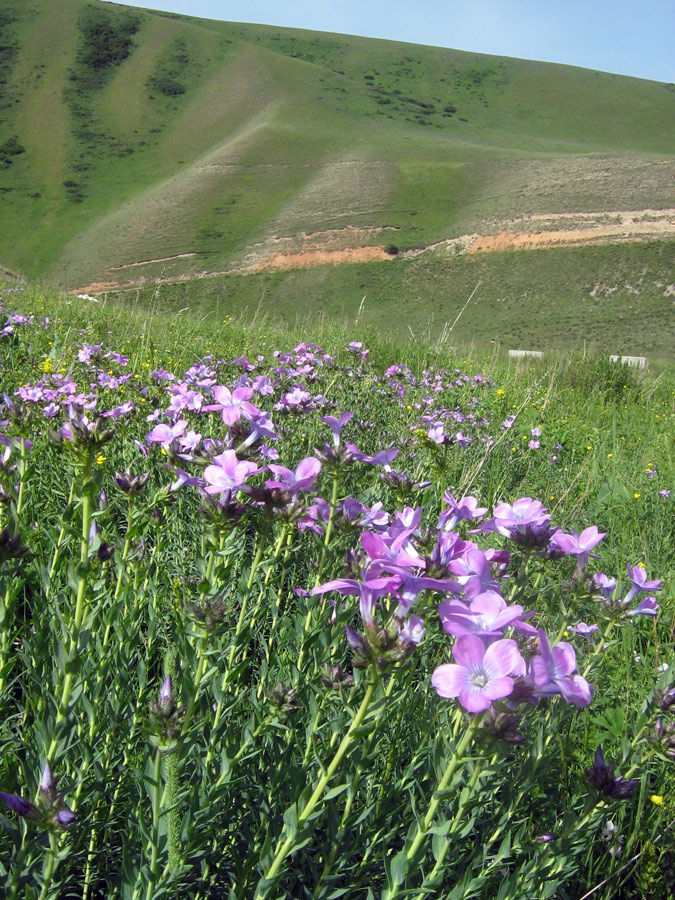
(344, 246)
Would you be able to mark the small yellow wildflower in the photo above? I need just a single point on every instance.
(636, 495)
(589, 447)
(100, 459)
(657, 799)
(501, 392)
(610, 455)
(46, 365)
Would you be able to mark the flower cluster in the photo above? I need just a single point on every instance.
(50, 812)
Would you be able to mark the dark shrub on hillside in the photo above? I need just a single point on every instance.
(105, 39)
(166, 86)
(11, 147)
(391, 250)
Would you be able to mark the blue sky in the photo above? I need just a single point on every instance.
(621, 36)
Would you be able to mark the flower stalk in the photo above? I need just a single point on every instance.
(285, 847)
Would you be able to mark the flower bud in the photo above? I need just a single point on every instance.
(282, 697)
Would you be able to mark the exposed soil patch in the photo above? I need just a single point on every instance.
(557, 229)
(309, 258)
(327, 248)
(531, 240)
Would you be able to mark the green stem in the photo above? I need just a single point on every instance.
(422, 829)
(355, 784)
(599, 646)
(467, 793)
(6, 638)
(59, 541)
(17, 868)
(80, 606)
(154, 838)
(22, 472)
(233, 649)
(199, 674)
(283, 849)
(329, 531)
(49, 869)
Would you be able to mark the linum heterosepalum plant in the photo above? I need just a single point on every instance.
(266, 663)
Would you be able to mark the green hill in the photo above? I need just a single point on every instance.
(137, 145)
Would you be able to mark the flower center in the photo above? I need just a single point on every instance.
(478, 679)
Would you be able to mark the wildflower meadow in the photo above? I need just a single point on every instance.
(295, 616)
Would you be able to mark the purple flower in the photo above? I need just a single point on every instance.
(412, 585)
(294, 482)
(232, 403)
(457, 511)
(436, 434)
(583, 628)
(166, 434)
(526, 522)
(638, 580)
(336, 425)
(21, 807)
(228, 473)
(368, 592)
(51, 811)
(165, 695)
(413, 629)
(606, 585)
(382, 458)
(646, 607)
(552, 673)
(476, 575)
(189, 442)
(485, 616)
(602, 777)
(578, 545)
(389, 554)
(478, 676)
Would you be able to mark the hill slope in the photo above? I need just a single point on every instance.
(136, 145)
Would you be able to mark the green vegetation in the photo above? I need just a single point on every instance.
(205, 145)
(612, 298)
(180, 714)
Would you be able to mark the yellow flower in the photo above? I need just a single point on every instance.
(610, 455)
(636, 495)
(46, 365)
(657, 799)
(501, 392)
(589, 447)
(100, 459)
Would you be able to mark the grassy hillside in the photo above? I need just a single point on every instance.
(613, 298)
(137, 145)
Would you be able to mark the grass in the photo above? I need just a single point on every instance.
(612, 298)
(261, 769)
